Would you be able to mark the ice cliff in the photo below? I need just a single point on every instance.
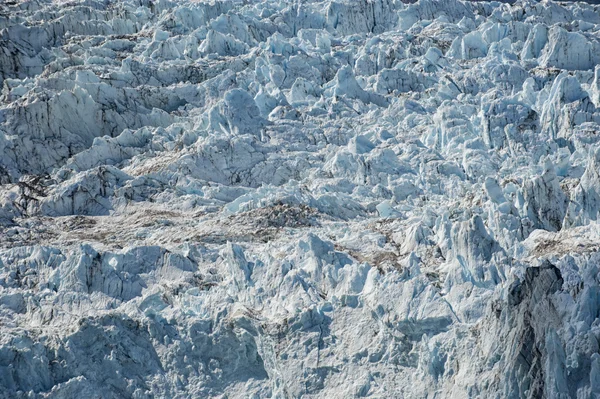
(333, 199)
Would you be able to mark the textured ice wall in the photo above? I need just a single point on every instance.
(299, 199)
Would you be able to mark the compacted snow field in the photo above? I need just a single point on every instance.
(284, 199)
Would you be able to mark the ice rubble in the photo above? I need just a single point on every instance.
(310, 199)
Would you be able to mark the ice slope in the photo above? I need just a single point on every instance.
(299, 199)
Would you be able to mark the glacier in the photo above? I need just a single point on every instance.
(317, 199)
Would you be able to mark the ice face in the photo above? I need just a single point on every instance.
(299, 199)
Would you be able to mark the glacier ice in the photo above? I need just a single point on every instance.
(365, 198)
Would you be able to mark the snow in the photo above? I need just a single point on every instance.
(299, 199)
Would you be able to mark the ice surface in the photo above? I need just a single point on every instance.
(337, 198)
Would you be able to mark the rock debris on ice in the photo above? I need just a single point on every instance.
(253, 199)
